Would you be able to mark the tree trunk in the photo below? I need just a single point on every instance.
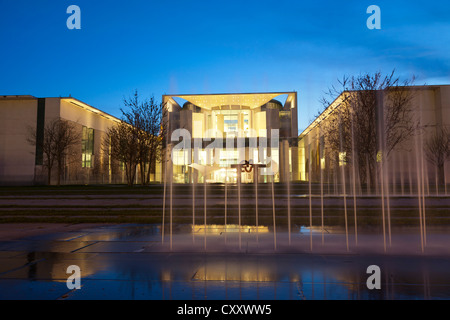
(59, 173)
(441, 177)
(149, 171)
(127, 172)
(371, 173)
(49, 169)
(151, 160)
(142, 171)
(49, 175)
(131, 174)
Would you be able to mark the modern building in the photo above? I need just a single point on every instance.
(221, 130)
(407, 163)
(22, 163)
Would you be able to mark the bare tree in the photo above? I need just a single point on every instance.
(60, 136)
(121, 144)
(437, 151)
(146, 118)
(372, 118)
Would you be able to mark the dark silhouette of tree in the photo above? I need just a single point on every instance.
(137, 139)
(146, 117)
(372, 117)
(121, 144)
(437, 151)
(60, 136)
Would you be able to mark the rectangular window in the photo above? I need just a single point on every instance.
(322, 163)
(342, 158)
(180, 157)
(228, 157)
(87, 147)
(231, 124)
(379, 156)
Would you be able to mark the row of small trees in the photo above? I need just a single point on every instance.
(135, 141)
(374, 117)
(57, 143)
(375, 114)
(437, 151)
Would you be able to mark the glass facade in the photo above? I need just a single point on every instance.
(230, 122)
(87, 147)
(215, 122)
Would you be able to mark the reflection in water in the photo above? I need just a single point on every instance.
(165, 275)
(313, 229)
(54, 266)
(245, 272)
(117, 234)
(219, 229)
(292, 277)
(31, 256)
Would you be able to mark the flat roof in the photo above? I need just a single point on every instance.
(71, 100)
(88, 107)
(333, 105)
(17, 97)
(253, 100)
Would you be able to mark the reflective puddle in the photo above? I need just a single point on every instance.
(132, 262)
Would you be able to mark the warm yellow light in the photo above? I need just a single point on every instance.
(209, 101)
(235, 271)
(379, 156)
(342, 158)
(166, 275)
(229, 228)
(322, 163)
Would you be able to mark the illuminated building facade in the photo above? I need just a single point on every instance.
(222, 130)
(22, 163)
(430, 108)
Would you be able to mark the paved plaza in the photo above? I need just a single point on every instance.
(130, 262)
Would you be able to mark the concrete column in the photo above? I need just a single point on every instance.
(284, 161)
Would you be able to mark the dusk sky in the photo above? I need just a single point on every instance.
(200, 47)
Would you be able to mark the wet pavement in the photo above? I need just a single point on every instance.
(131, 262)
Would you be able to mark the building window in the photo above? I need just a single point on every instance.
(379, 156)
(180, 157)
(87, 147)
(231, 124)
(342, 158)
(228, 157)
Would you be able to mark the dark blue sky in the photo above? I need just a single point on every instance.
(160, 47)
